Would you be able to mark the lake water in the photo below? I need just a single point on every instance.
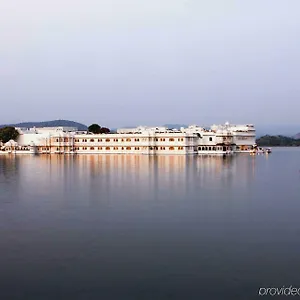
(143, 227)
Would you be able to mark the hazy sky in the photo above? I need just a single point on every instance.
(138, 62)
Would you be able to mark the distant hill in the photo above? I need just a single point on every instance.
(54, 123)
(297, 136)
(277, 140)
(277, 129)
(177, 126)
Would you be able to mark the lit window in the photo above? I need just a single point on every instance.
(171, 139)
(171, 148)
(107, 140)
(107, 148)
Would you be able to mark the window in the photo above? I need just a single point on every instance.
(156, 139)
(136, 148)
(128, 148)
(209, 148)
(137, 140)
(107, 148)
(115, 148)
(128, 140)
(92, 140)
(92, 148)
(107, 140)
(99, 148)
(210, 139)
(171, 139)
(57, 140)
(99, 140)
(115, 140)
(171, 148)
(162, 139)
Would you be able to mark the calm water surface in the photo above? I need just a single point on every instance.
(139, 227)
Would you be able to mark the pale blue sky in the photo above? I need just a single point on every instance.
(131, 62)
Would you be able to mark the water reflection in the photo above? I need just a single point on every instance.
(147, 227)
(134, 176)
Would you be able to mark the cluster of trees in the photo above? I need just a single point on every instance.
(95, 128)
(8, 133)
(277, 140)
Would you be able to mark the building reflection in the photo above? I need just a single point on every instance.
(132, 176)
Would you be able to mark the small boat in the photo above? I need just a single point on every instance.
(259, 150)
(268, 150)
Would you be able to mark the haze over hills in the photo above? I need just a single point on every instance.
(53, 123)
(297, 136)
(261, 130)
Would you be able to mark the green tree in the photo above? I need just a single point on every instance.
(104, 130)
(8, 133)
(94, 128)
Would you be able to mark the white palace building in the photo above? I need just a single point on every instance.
(219, 139)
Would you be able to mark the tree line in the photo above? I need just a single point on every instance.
(277, 140)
